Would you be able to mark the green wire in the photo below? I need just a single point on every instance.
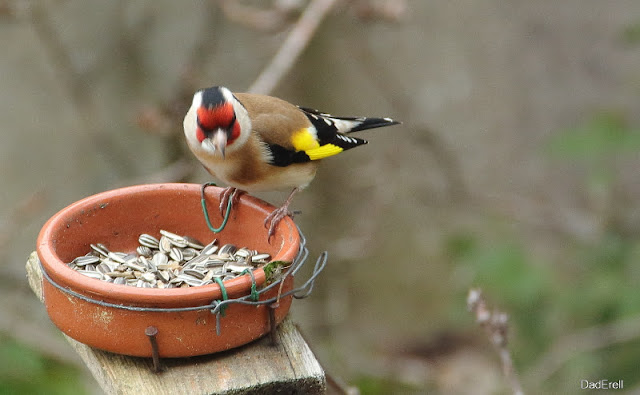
(254, 290)
(224, 294)
(206, 212)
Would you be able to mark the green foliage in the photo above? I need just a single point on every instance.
(25, 371)
(607, 291)
(524, 287)
(631, 34)
(595, 285)
(597, 145)
(603, 136)
(273, 270)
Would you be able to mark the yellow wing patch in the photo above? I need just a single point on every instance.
(323, 151)
(304, 140)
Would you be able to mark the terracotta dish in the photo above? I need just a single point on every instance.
(116, 218)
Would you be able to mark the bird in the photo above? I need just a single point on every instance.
(253, 142)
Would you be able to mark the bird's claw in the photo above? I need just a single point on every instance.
(226, 194)
(274, 218)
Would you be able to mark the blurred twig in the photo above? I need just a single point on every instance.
(263, 19)
(157, 119)
(585, 340)
(495, 324)
(390, 10)
(292, 47)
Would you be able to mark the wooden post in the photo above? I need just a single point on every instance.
(257, 368)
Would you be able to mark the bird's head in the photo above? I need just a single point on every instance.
(216, 121)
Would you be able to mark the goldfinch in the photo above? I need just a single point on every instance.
(257, 143)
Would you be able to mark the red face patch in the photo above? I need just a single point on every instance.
(216, 117)
(200, 134)
(221, 117)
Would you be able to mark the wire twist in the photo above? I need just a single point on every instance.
(206, 212)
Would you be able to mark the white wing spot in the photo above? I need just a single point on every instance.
(347, 139)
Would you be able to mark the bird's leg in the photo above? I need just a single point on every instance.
(278, 214)
(226, 194)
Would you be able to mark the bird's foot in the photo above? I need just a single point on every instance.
(274, 218)
(226, 194)
(278, 215)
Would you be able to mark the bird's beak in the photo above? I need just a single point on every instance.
(219, 139)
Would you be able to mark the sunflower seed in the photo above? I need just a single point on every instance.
(194, 273)
(244, 252)
(85, 260)
(163, 276)
(210, 248)
(112, 264)
(176, 254)
(144, 251)
(262, 258)
(148, 276)
(134, 267)
(148, 241)
(147, 263)
(103, 268)
(159, 259)
(164, 245)
(237, 268)
(189, 253)
(124, 275)
(116, 257)
(91, 274)
(214, 262)
(227, 250)
(193, 243)
(199, 259)
(100, 249)
(178, 243)
(194, 282)
(173, 261)
(170, 235)
(168, 266)
(208, 276)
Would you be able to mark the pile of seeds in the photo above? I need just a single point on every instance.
(169, 262)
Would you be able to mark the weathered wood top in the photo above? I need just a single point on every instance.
(259, 367)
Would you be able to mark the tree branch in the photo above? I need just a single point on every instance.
(292, 47)
(495, 324)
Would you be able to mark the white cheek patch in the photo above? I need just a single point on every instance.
(226, 93)
(197, 99)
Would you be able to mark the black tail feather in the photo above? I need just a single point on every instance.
(357, 123)
(371, 123)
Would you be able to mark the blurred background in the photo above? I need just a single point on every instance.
(516, 170)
